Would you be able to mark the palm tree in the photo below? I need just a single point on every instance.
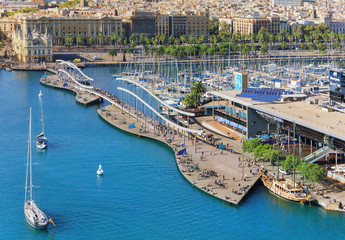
(79, 39)
(283, 45)
(114, 38)
(101, 39)
(92, 40)
(163, 38)
(264, 48)
(191, 101)
(69, 40)
(141, 39)
(290, 38)
(246, 49)
(198, 89)
(112, 53)
(171, 39)
(183, 38)
(191, 39)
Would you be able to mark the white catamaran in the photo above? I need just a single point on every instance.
(33, 215)
(41, 141)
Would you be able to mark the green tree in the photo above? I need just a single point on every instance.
(114, 37)
(191, 39)
(255, 48)
(246, 49)
(112, 53)
(79, 39)
(69, 40)
(213, 27)
(264, 48)
(101, 39)
(250, 144)
(283, 45)
(159, 51)
(163, 38)
(191, 101)
(69, 4)
(92, 40)
(171, 39)
(183, 38)
(312, 171)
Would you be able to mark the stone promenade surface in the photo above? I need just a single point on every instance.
(226, 165)
(82, 97)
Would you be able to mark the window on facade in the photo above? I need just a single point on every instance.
(29, 52)
(35, 52)
(39, 51)
(48, 51)
(43, 52)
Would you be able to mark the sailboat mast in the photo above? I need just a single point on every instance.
(42, 114)
(278, 153)
(30, 157)
(27, 158)
(293, 158)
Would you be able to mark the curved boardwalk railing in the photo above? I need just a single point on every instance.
(157, 98)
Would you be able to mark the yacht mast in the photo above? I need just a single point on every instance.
(41, 103)
(28, 157)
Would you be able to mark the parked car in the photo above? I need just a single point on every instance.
(96, 58)
(283, 171)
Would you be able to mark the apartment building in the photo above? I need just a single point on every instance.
(253, 24)
(197, 23)
(141, 23)
(152, 23)
(162, 24)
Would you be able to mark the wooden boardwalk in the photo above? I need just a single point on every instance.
(213, 171)
(196, 169)
(82, 97)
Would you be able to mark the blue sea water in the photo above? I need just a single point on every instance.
(141, 195)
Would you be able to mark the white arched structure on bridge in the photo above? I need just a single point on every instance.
(157, 98)
(195, 131)
(74, 80)
(71, 65)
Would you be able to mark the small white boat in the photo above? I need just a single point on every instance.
(100, 170)
(40, 94)
(42, 141)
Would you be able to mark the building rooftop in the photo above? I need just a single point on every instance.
(305, 114)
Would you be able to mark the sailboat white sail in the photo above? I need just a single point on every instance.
(33, 215)
(42, 140)
(100, 170)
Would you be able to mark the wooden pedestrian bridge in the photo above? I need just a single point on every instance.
(69, 74)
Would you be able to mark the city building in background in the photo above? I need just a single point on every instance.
(286, 3)
(32, 47)
(253, 23)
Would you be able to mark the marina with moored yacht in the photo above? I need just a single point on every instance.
(116, 115)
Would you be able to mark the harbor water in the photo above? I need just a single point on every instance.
(142, 195)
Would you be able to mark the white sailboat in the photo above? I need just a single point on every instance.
(33, 215)
(40, 94)
(100, 170)
(41, 141)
